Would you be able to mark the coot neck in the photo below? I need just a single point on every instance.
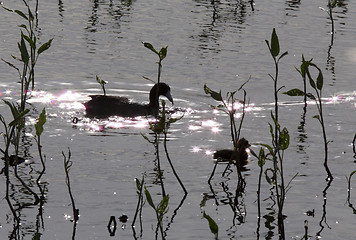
(154, 96)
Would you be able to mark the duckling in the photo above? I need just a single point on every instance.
(105, 106)
(239, 155)
(13, 161)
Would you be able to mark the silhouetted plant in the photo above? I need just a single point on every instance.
(11, 136)
(280, 137)
(161, 55)
(161, 127)
(102, 84)
(140, 203)
(317, 86)
(67, 165)
(228, 106)
(261, 162)
(39, 130)
(160, 209)
(28, 58)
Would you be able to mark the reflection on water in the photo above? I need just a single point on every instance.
(209, 41)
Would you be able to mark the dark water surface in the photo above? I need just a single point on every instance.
(221, 45)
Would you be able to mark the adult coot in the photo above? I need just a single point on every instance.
(106, 106)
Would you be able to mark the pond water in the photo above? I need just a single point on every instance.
(221, 44)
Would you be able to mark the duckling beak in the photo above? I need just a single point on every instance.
(169, 96)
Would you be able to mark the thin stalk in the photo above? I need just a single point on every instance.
(159, 163)
(139, 202)
(170, 163)
(259, 202)
(67, 165)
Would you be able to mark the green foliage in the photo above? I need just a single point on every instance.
(274, 48)
(149, 198)
(164, 122)
(274, 44)
(215, 95)
(227, 106)
(44, 46)
(17, 114)
(67, 164)
(284, 139)
(214, 228)
(102, 83)
(28, 56)
(294, 92)
(41, 121)
(160, 210)
(161, 54)
(317, 85)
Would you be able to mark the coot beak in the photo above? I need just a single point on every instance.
(169, 96)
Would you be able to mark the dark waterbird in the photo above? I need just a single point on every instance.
(13, 161)
(106, 106)
(238, 156)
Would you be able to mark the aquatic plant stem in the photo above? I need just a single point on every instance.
(159, 163)
(67, 165)
(321, 120)
(170, 163)
(140, 200)
(274, 49)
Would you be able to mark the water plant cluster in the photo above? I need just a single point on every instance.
(270, 156)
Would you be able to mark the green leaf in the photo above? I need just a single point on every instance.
(23, 49)
(100, 81)
(138, 184)
(21, 14)
(161, 209)
(294, 92)
(18, 116)
(311, 81)
(44, 46)
(261, 157)
(275, 120)
(283, 54)
(23, 26)
(274, 44)
(149, 46)
(173, 120)
(317, 117)
(149, 198)
(271, 130)
(320, 80)
(7, 9)
(215, 95)
(284, 139)
(270, 149)
(212, 224)
(163, 53)
(41, 121)
(30, 41)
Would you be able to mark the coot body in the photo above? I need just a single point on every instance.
(106, 106)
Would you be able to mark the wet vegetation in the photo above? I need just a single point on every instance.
(270, 156)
